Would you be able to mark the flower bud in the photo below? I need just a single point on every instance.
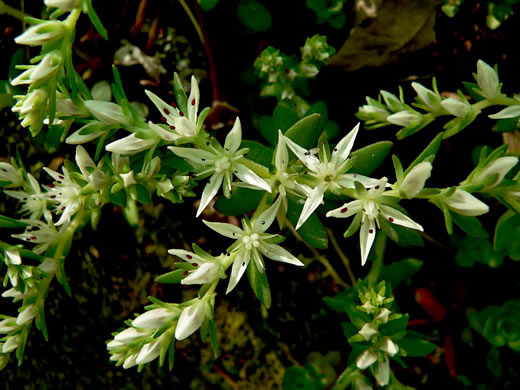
(381, 372)
(26, 315)
(130, 145)
(150, 351)
(66, 5)
(190, 320)
(428, 97)
(153, 319)
(41, 34)
(12, 343)
(405, 118)
(487, 80)
(366, 359)
(498, 167)
(107, 112)
(413, 183)
(464, 203)
(456, 107)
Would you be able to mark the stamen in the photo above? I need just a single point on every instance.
(163, 118)
(189, 257)
(376, 187)
(166, 111)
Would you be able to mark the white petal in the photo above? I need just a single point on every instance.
(265, 219)
(163, 133)
(153, 319)
(367, 234)
(313, 201)
(165, 109)
(247, 175)
(499, 167)
(347, 180)
(388, 346)
(149, 352)
(106, 112)
(205, 273)
(347, 210)
(193, 100)
(366, 359)
(343, 148)
(226, 229)
(487, 79)
(455, 107)
(130, 145)
(128, 335)
(310, 161)
(210, 190)
(26, 315)
(130, 361)
(234, 137)
(394, 216)
(367, 331)
(190, 320)
(188, 256)
(281, 159)
(240, 264)
(381, 372)
(508, 112)
(404, 118)
(14, 256)
(197, 156)
(413, 183)
(276, 252)
(463, 203)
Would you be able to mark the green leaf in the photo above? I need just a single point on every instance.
(284, 116)
(10, 223)
(306, 131)
(53, 139)
(366, 160)
(302, 378)
(507, 235)
(397, 272)
(254, 15)
(172, 277)
(394, 326)
(18, 58)
(242, 201)
(416, 347)
(259, 284)
(312, 231)
(349, 330)
(470, 225)
(341, 300)
(258, 153)
(213, 336)
(403, 236)
(143, 195)
(96, 22)
(119, 198)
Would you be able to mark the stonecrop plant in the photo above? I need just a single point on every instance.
(300, 188)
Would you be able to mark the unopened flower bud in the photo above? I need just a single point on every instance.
(463, 203)
(41, 34)
(413, 183)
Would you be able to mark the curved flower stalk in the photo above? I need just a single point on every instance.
(221, 163)
(327, 175)
(369, 208)
(252, 243)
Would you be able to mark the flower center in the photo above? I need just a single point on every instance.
(222, 164)
(251, 241)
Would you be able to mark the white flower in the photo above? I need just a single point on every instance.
(383, 315)
(12, 343)
(487, 79)
(329, 175)
(253, 242)
(42, 33)
(129, 335)
(366, 359)
(49, 65)
(66, 5)
(107, 112)
(88, 169)
(128, 179)
(191, 318)
(388, 346)
(27, 315)
(154, 319)
(405, 118)
(463, 203)
(498, 167)
(413, 183)
(371, 207)
(208, 268)
(64, 192)
(367, 331)
(151, 350)
(40, 233)
(381, 372)
(221, 164)
(33, 203)
(185, 124)
(10, 173)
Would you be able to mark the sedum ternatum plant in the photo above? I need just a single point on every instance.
(287, 191)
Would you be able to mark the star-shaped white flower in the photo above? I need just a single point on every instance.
(328, 175)
(221, 164)
(207, 268)
(371, 208)
(32, 202)
(186, 124)
(65, 193)
(252, 242)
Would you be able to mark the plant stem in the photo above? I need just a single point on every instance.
(15, 13)
(341, 255)
(193, 20)
(317, 256)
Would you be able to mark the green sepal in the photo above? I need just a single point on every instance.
(323, 148)
(242, 201)
(164, 350)
(430, 150)
(143, 195)
(213, 337)
(171, 355)
(354, 226)
(312, 231)
(366, 160)
(11, 223)
(398, 167)
(306, 131)
(94, 19)
(393, 327)
(470, 225)
(171, 277)
(349, 330)
(180, 95)
(166, 326)
(259, 284)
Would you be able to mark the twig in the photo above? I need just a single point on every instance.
(226, 377)
(341, 255)
(15, 13)
(318, 257)
(192, 19)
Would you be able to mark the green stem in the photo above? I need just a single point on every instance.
(377, 264)
(317, 256)
(341, 255)
(193, 20)
(15, 13)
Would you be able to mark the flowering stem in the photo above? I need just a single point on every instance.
(15, 13)
(317, 256)
(342, 256)
(192, 19)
